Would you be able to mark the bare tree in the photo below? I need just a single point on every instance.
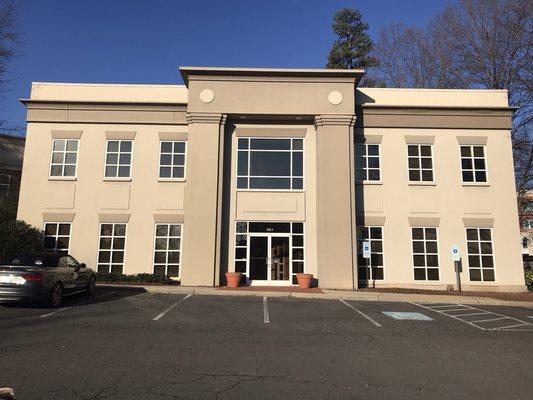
(476, 44)
(8, 39)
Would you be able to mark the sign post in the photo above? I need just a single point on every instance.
(456, 257)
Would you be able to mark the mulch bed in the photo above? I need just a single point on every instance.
(526, 296)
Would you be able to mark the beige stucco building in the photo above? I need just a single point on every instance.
(271, 172)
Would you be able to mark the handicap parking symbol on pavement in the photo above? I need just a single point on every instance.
(413, 316)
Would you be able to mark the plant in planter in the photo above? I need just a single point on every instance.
(234, 279)
(304, 280)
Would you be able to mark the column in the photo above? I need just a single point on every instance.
(203, 196)
(335, 202)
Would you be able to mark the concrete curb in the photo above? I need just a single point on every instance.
(328, 294)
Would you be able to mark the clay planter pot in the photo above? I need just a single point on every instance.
(304, 280)
(233, 278)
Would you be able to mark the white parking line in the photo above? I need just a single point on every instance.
(266, 319)
(360, 312)
(160, 315)
(75, 304)
(488, 320)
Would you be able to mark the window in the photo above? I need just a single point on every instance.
(367, 162)
(420, 162)
(425, 254)
(473, 164)
(480, 254)
(269, 163)
(370, 269)
(118, 159)
(111, 248)
(167, 250)
(67, 262)
(56, 236)
(64, 157)
(297, 242)
(172, 160)
(527, 224)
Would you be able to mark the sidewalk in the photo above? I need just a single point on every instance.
(326, 294)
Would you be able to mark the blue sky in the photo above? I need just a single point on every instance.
(144, 41)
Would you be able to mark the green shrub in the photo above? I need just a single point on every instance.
(529, 280)
(139, 278)
(17, 236)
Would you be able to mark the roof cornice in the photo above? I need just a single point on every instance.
(351, 74)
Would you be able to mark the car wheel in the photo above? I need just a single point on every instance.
(57, 295)
(91, 286)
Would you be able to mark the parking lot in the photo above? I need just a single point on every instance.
(129, 344)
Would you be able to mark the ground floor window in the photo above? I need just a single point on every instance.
(480, 254)
(425, 254)
(167, 249)
(269, 251)
(370, 268)
(56, 236)
(111, 248)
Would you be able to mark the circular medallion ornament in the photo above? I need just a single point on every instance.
(335, 97)
(207, 95)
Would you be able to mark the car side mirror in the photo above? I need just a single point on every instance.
(83, 265)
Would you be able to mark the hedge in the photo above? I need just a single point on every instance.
(529, 280)
(139, 278)
(19, 237)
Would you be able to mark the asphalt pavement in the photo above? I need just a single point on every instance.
(131, 344)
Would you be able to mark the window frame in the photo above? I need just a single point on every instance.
(57, 235)
(366, 168)
(528, 222)
(425, 254)
(63, 164)
(420, 169)
(110, 263)
(167, 237)
(360, 253)
(485, 158)
(249, 150)
(117, 165)
(178, 179)
(493, 254)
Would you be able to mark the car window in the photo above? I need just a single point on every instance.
(63, 262)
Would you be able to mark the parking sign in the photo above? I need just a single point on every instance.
(456, 254)
(366, 249)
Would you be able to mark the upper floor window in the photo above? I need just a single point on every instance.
(420, 162)
(367, 162)
(118, 158)
(473, 164)
(172, 160)
(270, 163)
(64, 157)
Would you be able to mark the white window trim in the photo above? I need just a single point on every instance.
(184, 178)
(57, 234)
(474, 183)
(425, 281)
(166, 251)
(248, 176)
(112, 237)
(420, 169)
(367, 181)
(481, 282)
(63, 177)
(118, 178)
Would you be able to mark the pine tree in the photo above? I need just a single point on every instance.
(352, 47)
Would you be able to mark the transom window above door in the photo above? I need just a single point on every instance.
(267, 163)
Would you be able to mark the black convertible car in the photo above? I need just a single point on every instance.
(43, 277)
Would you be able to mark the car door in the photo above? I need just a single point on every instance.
(81, 275)
(67, 274)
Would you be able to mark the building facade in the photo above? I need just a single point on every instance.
(272, 172)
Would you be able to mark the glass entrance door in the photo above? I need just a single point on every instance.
(270, 259)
